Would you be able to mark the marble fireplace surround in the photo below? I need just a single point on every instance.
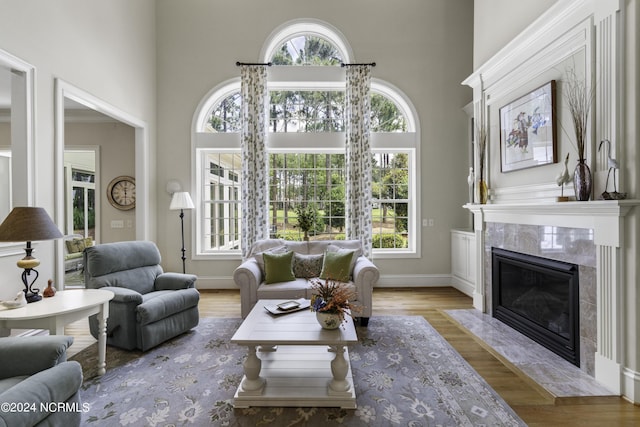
(598, 250)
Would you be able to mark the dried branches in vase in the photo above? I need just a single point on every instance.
(333, 297)
(481, 141)
(579, 96)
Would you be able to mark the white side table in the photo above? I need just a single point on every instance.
(63, 308)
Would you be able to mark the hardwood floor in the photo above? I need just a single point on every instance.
(533, 406)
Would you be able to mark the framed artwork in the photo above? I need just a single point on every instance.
(528, 130)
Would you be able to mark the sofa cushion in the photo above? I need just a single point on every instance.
(278, 267)
(160, 305)
(285, 290)
(264, 245)
(121, 256)
(337, 265)
(298, 247)
(307, 266)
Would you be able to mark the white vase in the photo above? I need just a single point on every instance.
(328, 320)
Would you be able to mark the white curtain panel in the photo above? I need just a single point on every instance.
(255, 210)
(358, 156)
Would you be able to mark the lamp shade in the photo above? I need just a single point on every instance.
(181, 200)
(26, 224)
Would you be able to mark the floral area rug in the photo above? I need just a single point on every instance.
(405, 374)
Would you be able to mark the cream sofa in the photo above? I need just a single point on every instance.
(307, 262)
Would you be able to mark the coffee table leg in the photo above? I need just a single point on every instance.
(252, 365)
(102, 339)
(339, 369)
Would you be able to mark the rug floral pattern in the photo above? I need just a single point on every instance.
(405, 374)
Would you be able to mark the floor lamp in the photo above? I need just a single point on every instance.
(181, 200)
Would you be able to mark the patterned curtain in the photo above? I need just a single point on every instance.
(253, 88)
(358, 156)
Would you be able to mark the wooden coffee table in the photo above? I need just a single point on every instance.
(292, 361)
(63, 308)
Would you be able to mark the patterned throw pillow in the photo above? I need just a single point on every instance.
(307, 266)
(277, 267)
(75, 245)
(337, 266)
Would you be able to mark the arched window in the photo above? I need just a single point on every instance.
(306, 149)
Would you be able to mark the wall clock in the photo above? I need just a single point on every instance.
(121, 193)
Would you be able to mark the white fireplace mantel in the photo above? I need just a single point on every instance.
(602, 216)
(607, 220)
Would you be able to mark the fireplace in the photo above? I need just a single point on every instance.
(539, 297)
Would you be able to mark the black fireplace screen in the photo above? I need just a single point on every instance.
(539, 298)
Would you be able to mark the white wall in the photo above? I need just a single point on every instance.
(497, 22)
(117, 157)
(104, 48)
(422, 47)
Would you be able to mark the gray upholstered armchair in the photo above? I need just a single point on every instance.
(149, 306)
(34, 370)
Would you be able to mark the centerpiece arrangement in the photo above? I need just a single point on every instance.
(330, 302)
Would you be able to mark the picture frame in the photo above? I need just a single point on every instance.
(528, 130)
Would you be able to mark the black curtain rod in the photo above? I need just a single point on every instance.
(373, 64)
(268, 64)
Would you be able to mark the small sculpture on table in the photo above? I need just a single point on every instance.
(49, 290)
(470, 180)
(564, 178)
(613, 166)
(19, 301)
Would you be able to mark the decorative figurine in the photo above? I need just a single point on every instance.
(50, 290)
(613, 165)
(564, 178)
(470, 180)
(19, 301)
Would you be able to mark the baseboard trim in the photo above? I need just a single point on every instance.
(463, 286)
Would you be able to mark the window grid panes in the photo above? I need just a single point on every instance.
(221, 201)
(390, 191)
(307, 50)
(303, 178)
(83, 193)
(313, 180)
(306, 111)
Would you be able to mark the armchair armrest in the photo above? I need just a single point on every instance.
(247, 277)
(364, 271)
(365, 276)
(174, 281)
(57, 384)
(124, 295)
(28, 355)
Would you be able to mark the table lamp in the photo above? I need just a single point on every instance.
(28, 224)
(181, 200)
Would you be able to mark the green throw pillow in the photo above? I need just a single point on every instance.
(337, 266)
(277, 267)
